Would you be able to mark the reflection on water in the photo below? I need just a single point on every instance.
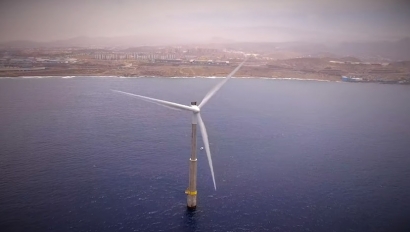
(190, 220)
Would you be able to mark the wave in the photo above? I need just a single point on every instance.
(175, 77)
(35, 77)
(181, 77)
(291, 78)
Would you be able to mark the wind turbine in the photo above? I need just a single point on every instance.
(196, 119)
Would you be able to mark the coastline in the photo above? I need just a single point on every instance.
(200, 77)
(304, 69)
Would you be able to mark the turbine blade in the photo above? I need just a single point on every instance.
(219, 85)
(206, 145)
(159, 102)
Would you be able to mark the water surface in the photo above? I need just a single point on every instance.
(288, 156)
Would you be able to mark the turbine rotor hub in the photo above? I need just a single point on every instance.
(195, 108)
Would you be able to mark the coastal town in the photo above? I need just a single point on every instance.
(196, 61)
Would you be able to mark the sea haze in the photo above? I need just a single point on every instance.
(288, 156)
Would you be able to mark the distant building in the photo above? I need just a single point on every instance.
(209, 62)
(351, 79)
(171, 61)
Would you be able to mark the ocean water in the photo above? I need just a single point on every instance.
(288, 156)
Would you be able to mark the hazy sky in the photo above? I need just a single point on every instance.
(200, 20)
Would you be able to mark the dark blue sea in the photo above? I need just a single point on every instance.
(288, 156)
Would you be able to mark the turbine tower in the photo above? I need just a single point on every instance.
(196, 120)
